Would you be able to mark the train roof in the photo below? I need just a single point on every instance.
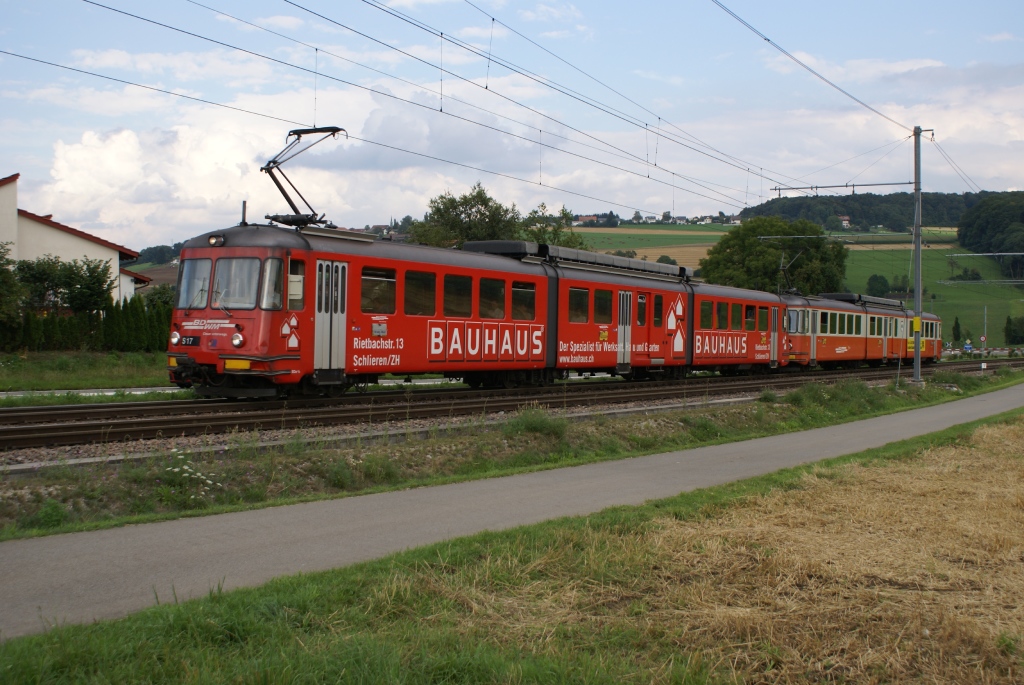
(341, 241)
(571, 257)
(736, 293)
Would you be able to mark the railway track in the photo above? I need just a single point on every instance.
(120, 422)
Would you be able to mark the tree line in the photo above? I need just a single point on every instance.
(996, 224)
(51, 305)
(894, 212)
(452, 220)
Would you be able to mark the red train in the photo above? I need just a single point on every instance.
(264, 310)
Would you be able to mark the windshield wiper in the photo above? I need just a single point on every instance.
(217, 296)
(188, 308)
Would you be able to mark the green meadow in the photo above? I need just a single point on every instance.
(966, 300)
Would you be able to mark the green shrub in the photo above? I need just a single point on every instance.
(536, 421)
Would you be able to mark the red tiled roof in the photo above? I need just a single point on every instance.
(9, 179)
(136, 275)
(123, 251)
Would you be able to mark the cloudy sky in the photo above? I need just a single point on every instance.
(595, 105)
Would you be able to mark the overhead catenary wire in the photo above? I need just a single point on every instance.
(724, 159)
(808, 68)
(697, 182)
(956, 167)
(351, 137)
(729, 201)
(153, 88)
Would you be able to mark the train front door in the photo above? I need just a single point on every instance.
(330, 317)
(625, 345)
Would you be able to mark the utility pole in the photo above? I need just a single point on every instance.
(917, 255)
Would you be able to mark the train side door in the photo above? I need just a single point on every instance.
(330, 315)
(773, 336)
(885, 320)
(641, 334)
(813, 313)
(622, 361)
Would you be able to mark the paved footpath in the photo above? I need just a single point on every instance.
(81, 577)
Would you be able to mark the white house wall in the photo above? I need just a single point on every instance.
(9, 217)
(36, 240)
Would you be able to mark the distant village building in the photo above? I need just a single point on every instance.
(32, 236)
(845, 220)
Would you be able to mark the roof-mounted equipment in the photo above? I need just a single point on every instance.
(569, 257)
(273, 169)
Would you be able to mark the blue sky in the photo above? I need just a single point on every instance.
(693, 114)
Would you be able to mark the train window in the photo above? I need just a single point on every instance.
(871, 325)
(737, 317)
(857, 324)
(707, 309)
(458, 296)
(804, 318)
(420, 293)
(641, 310)
(579, 304)
(491, 304)
(296, 276)
(833, 323)
(319, 288)
(750, 317)
(823, 325)
(235, 283)
(339, 289)
(794, 322)
(524, 301)
(659, 306)
(272, 295)
(762, 318)
(722, 318)
(842, 324)
(602, 306)
(378, 290)
(194, 283)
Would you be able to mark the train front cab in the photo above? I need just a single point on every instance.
(239, 326)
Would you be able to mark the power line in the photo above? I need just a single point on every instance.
(158, 90)
(524, 72)
(784, 52)
(729, 201)
(705, 184)
(956, 168)
(363, 140)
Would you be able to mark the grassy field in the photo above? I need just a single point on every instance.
(642, 243)
(964, 299)
(82, 370)
(896, 565)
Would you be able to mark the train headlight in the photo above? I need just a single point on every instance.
(216, 240)
(237, 340)
(175, 337)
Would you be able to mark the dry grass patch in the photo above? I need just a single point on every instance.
(880, 573)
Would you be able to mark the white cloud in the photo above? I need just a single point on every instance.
(1001, 37)
(231, 68)
(548, 13)
(482, 32)
(282, 22)
(110, 102)
(859, 70)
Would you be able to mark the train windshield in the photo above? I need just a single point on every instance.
(235, 283)
(194, 283)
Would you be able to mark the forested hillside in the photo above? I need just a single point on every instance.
(867, 210)
(996, 224)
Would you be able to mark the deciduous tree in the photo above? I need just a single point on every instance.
(742, 259)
